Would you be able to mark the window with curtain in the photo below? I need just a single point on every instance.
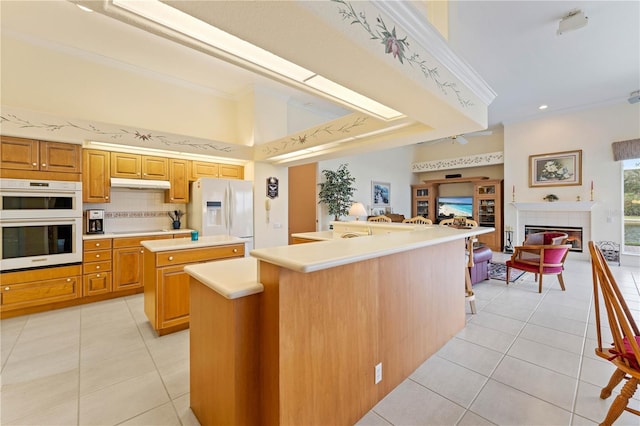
(631, 197)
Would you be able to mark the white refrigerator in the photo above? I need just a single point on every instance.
(222, 207)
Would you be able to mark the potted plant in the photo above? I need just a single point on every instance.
(336, 191)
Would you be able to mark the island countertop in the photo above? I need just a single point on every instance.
(187, 243)
(335, 252)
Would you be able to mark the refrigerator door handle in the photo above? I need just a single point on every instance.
(226, 209)
(229, 209)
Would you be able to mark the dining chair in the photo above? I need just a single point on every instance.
(381, 218)
(419, 220)
(456, 221)
(624, 351)
(539, 259)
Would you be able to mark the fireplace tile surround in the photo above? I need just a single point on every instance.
(555, 214)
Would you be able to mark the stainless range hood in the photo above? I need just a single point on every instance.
(140, 183)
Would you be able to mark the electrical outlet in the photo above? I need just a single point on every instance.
(378, 373)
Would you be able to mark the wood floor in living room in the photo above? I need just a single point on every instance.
(524, 358)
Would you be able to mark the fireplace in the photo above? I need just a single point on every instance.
(574, 233)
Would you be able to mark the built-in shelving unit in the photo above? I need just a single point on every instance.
(487, 204)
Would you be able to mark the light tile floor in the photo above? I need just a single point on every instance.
(524, 359)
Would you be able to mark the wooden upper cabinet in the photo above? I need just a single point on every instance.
(60, 157)
(201, 169)
(155, 168)
(178, 173)
(135, 166)
(33, 155)
(96, 187)
(19, 154)
(231, 171)
(125, 165)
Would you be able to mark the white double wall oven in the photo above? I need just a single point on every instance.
(40, 223)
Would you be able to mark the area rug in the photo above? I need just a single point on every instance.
(498, 271)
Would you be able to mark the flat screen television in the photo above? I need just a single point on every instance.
(449, 207)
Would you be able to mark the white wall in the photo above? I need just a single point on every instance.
(591, 130)
(393, 166)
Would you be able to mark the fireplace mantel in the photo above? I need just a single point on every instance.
(564, 206)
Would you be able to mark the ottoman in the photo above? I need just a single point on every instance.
(480, 270)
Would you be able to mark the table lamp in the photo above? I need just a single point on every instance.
(357, 210)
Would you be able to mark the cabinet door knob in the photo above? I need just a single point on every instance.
(44, 164)
(68, 280)
(97, 275)
(170, 257)
(7, 288)
(34, 164)
(97, 244)
(235, 250)
(106, 197)
(98, 267)
(97, 255)
(142, 251)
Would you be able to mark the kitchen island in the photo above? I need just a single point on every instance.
(333, 317)
(166, 285)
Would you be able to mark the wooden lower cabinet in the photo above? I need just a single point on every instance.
(127, 267)
(166, 285)
(27, 289)
(173, 296)
(96, 268)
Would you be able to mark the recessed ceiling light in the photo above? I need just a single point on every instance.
(84, 8)
(542, 107)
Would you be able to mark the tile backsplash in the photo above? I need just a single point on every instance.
(138, 210)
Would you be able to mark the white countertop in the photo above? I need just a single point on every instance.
(232, 278)
(186, 243)
(320, 236)
(125, 234)
(341, 251)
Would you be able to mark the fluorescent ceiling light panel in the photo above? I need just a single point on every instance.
(183, 23)
(356, 99)
(186, 24)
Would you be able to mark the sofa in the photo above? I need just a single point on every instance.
(480, 269)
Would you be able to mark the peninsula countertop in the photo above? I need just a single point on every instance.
(187, 243)
(341, 251)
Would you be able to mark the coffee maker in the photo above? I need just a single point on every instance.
(94, 221)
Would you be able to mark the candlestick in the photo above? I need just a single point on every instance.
(513, 194)
(592, 185)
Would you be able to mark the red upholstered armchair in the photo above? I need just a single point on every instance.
(539, 259)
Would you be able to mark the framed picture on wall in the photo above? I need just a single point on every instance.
(556, 169)
(380, 194)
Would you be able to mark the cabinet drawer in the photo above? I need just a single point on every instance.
(38, 293)
(93, 267)
(178, 257)
(98, 283)
(98, 255)
(96, 244)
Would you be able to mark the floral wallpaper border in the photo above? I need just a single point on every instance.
(36, 125)
(399, 47)
(352, 124)
(460, 162)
